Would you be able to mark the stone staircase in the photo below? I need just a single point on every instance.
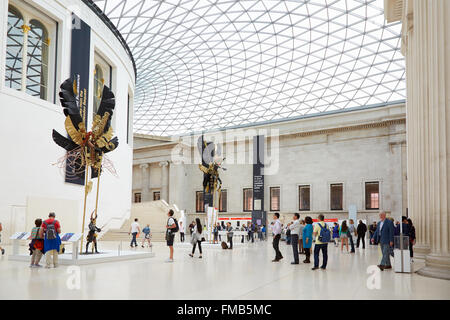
(153, 213)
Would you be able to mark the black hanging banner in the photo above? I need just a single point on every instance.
(258, 213)
(80, 71)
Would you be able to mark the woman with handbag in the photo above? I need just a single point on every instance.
(197, 238)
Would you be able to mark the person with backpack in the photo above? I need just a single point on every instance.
(171, 229)
(36, 245)
(323, 236)
(197, 238)
(50, 230)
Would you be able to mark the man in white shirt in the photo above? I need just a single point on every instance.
(134, 230)
(276, 230)
(295, 231)
(170, 235)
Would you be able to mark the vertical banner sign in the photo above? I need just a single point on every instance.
(79, 70)
(258, 214)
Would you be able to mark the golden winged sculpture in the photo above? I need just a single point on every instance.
(86, 147)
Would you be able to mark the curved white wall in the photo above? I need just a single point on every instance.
(30, 186)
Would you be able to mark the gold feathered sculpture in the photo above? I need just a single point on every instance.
(86, 147)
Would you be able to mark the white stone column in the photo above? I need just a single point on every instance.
(426, 45)
(164, 180)
(145, 175)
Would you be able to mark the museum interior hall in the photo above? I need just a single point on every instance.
(225, 149)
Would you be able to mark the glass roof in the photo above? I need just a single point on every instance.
(205, 64)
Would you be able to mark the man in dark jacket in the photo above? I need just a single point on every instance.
(361, 231)
(384, 235)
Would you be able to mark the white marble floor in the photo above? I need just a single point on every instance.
(243, 273)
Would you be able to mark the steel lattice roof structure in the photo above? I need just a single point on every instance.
(204, 64)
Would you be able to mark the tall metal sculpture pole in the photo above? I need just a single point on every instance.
(86, 191)
(96, 198)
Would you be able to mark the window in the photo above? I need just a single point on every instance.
(27, 53)
(248, 199)
(199, 203)
(223, 201)
(336, 196)
(156, 195)
(137, 197)
(129, 118)
(99, 82)
(102, 77)
(372, 195)
(304, 196)
(275, 199)
(14, 47)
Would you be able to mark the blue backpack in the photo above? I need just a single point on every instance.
(325, 234)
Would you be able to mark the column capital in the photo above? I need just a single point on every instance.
(143, 166)
(164, 163)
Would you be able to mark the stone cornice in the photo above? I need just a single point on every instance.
(371, 125)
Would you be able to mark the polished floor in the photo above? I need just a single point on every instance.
(243, 273)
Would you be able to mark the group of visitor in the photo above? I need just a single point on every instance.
(45, 240)
(300, 234)
(135, 231)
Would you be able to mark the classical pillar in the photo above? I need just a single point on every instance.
(164, 180)
(426, 46)
(145, 175)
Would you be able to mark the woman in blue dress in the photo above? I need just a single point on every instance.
(307, 238)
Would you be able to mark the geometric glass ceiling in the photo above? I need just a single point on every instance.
(204, 64)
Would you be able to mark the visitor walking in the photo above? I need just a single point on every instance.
(50, 231)
(36, 244)
(351, 233)
(300, 237)
(323, 236)
(361, 231)
(336, 234)
(197, 238)
(135, 229)
(181, 231)
(229, 230)
(147, 236)
(343, 235)
(384, 235)
(276, 231)
(412, 238)
(307, 238)
(1, 229)
(215, 233)
(372, 229)
(294, 227)
(171, 229)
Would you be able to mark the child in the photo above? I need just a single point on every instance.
(147, 236)
(36, 245)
